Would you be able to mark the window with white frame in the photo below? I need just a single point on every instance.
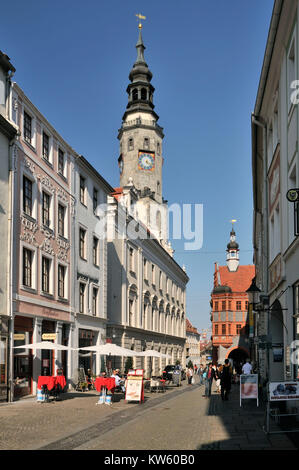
(95, 293)
(46, 206)
(95, 251)
(61, 220)
(131, 259)
(82, 288)
(46, 270)
(27, 196)
(291, 70)
(145, 269)
(153, 275)
(46, 146)
(82, 190)
(27, 267)
(62, 292)
(82, 243)
(95, 199)
(27, 128)
(61, 162)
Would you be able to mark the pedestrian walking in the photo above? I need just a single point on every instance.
(210, 375)
(226, 380)
(200, 373)
(190, 375)
(247, 368)
(218, 377)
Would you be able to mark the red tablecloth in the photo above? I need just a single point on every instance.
(60, 379)
(108, 382)
(50, 381)
(46, 380)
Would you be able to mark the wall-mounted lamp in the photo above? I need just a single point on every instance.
(253, 293)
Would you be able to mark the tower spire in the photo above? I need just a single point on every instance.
(232, 257)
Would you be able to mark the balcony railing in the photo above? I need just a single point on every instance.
(141, 122)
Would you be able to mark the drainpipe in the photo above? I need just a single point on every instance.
(11, 184)
(10, 267)
(258, 121)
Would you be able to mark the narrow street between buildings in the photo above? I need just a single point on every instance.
(180, 419)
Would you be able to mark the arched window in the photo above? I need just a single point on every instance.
(143, 94)
(146, 143)
(135, 94)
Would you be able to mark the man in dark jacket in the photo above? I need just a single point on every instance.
(226, 380)
(210, 375)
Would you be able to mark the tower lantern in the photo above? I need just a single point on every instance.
(232, 257)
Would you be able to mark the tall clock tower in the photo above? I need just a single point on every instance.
(140, 158)
(140, 136)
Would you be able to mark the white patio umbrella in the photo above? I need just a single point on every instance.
(44, 345)
(153, 353)
(109, 349)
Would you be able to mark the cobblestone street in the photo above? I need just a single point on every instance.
(180, 419)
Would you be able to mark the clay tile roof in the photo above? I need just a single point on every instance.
(238, 281)
(117, 193)
(190, 328)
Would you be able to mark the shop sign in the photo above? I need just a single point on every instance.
(19, 337)
(279, 391)
(49, 336)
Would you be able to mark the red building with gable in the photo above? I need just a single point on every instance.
(229, 302)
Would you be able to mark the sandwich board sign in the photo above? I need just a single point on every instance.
(134, 385)
(249, 387)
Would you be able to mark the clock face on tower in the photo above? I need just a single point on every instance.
(146, 161)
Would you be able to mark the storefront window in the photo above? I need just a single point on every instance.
(86, 359)
(3, 360)
(22, 364)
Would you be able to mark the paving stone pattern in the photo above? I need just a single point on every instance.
(180, 419)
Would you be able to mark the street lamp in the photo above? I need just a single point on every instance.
(253, 293)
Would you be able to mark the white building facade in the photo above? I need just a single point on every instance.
(275, 163)
(90, 263)
(7, 146)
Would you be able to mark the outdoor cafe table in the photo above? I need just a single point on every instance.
(51, 381)
(106, 382)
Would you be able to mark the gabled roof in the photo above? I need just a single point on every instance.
(238, 281)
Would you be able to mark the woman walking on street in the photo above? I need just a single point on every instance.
(218, 377)
(226, 380)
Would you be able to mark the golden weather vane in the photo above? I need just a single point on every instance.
(140, 17)
(233, 221)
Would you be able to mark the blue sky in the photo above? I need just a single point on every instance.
(73, 59)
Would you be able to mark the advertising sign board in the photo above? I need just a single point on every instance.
(248, 387)
(281, 391)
